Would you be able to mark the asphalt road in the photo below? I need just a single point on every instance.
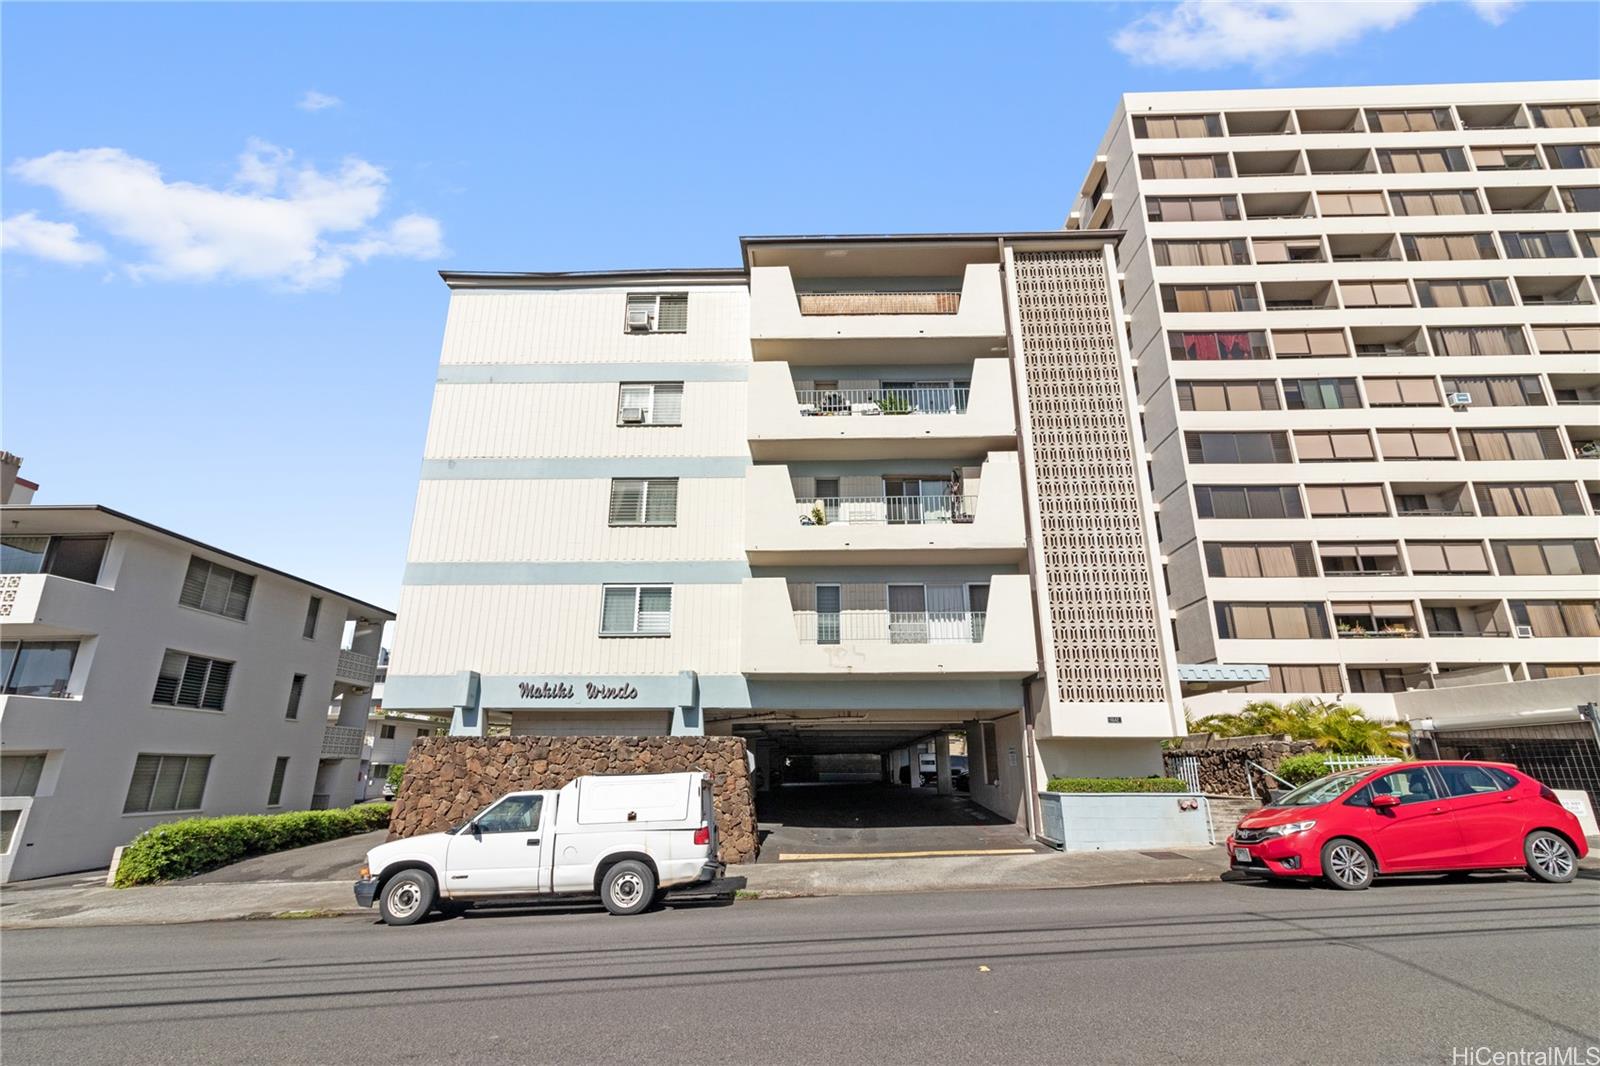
(1209, 973)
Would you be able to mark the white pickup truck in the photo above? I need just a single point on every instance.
(628, 838)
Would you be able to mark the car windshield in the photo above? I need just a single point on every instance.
(1322, 790)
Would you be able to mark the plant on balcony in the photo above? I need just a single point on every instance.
(819, 516)
(894, 404)
(1335, 728)
(1399, 631)
(1350, 629)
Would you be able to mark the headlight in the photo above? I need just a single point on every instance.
(365, 873)
(1288, 828)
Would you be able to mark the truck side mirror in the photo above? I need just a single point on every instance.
(477, 831)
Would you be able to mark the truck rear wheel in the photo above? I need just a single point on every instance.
(408, 897)
(628, 887)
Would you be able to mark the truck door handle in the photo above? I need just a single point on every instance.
(533, 842)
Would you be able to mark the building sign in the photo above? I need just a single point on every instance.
(561, 690)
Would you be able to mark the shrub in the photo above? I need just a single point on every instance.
(397, 773)
(1116, 784)
(195, 845)
(1300, 769)
(1338, 729)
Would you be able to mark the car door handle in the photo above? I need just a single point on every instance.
(533, 842)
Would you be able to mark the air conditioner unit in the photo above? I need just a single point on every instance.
(1460, 399)
(639, 319)
(1523, 632)
(632, 415)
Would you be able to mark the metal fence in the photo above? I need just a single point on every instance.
(892, 627)
(887, 510)
(933, 400)
(1338, 763)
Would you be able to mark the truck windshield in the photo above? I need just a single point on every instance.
(1322, 790)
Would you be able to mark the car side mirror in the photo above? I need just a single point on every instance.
(1385, 802)
(475, 829)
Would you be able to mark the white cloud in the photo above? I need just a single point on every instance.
(1208, 34)
(278, 222)
(56, 241)
(315, 101)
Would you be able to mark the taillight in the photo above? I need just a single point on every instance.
(702, 835)
(1546, 794)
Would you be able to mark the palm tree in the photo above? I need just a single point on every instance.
(1338, 729)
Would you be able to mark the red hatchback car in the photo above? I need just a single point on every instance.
(1416, 817)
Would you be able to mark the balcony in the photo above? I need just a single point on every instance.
(890, 321)
(782, 643)
(982, 524)
(343, 742)
(44, 605)
(354, 668)
(965, 419)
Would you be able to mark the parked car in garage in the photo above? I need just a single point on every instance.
(1418, 817)
(958, 771)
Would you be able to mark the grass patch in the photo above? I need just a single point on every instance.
(316, 912)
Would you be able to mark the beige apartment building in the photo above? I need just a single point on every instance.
(1367, 353)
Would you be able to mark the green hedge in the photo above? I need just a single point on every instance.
(1116, 784)
(195, 845)
(1301, 769)
(397, 773)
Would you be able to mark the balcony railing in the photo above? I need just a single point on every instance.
(356, 668)
(1390, 632)
(887, 510)
(879, 303)
(890, 627)
(342, 742)
(945, 400)
(1435, 512)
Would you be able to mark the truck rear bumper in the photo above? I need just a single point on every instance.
(711, 871)
(366, 891)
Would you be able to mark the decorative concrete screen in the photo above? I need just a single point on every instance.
(1103, 617)
(448, 779)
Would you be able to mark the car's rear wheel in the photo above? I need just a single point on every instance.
(408, 897)
(1550, 857)
(628, 887)
(1346, 864)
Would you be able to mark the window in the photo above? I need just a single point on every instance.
(1416, 444)
(1537, 245)
(192, 681)
(1479, 340)
(1564, 558)
(1407, 786)
(1375, 293)
(1355, 560)
(636, 611)
(275, 790)
(1562, 339)
(20, 774)
(1260, 560)
(1523, 157)
(1206, 347)
(1325, 446)
(1539, 671)
(1157, 126)
(421, 733)
(1401, 392)
(1247, 501)
(1436, 202)
(1288, 250)
(668, 312)
(217, 589)
(1564, 116)
(1191, 208)
(1315, 677)
(1551, 618)
(1365, 619)
(313, 608)
(1346, 501)
(514, 814)
(1421, 160)
(1572, 156)
(1201, 253)
(1581, 199)
(1498, 392)
(297, 688)
(1377, 679)
(167, 783)
(386, 732)
(74, 558)
(1502, 501)
(1163, 167)
(1462, 780)
(1309, 343)
(650, 403)
(1590, 244)
(37, 667)
(1347, 204)
(1410, 120)
(1208, 298)
(991, 754)
(1237, 447)
(644, 502)
(1447, 557)
(1485, 292)
(1490, 445)
(1425, 247)
(1271, 621)
(1227, 396)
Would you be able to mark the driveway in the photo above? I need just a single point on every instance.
(333, 860)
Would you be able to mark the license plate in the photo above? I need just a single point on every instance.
(1241, 855)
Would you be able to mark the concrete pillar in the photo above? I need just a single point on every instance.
(763, 754)
(885, 770)
(467, 718)
(941, 756)
(687, 722)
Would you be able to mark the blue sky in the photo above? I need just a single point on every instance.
(220, 306)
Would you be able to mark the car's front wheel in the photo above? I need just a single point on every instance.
(1346, 864)
(408, 897)
(1550, 857)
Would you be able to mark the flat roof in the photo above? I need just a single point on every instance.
(118, 518)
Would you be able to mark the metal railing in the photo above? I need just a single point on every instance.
(1388, 572)
(936, 400)
(887, 510)
(869, 302)
(355, 667)
(1434, 512)
(343, 741)
(1336, 763)
(1358, 633)
(890, 627)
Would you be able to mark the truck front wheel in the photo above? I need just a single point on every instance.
(628, 887)
(408, 897)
